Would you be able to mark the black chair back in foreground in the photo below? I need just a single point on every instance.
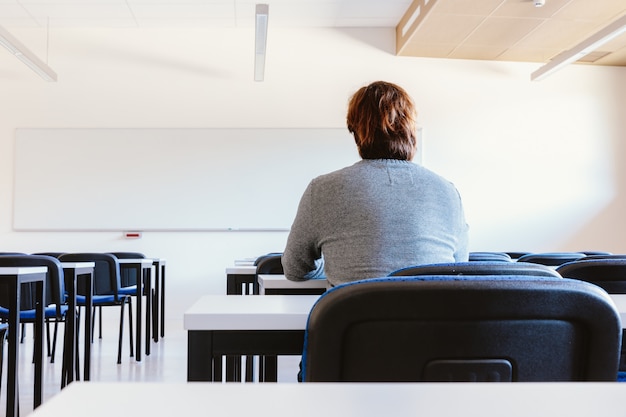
(478, 268)
(469, 328)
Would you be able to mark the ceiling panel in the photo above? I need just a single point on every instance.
(512, 30)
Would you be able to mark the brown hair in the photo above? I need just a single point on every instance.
(382, 117)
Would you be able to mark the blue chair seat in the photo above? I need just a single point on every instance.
(131, 290)
(49, 312)
(81, 300)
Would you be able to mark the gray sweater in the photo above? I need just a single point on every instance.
(372, 218)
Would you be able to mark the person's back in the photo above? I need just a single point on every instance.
(380, 214)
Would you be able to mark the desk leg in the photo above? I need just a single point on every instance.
(200, 356)
(13, 352)
(162, 293)
(88, 328)
(39, 336)
(148, 291)
(138, 314)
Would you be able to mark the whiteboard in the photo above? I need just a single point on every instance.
(169, 179)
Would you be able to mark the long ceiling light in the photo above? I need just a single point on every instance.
(589, 45)
(260, 40)
(24, 54)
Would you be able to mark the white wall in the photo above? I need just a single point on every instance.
(539, 165)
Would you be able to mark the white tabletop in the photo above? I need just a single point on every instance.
(276, 312)
(249, 312)
(22, 270)
(275, 281)
(572, 399)
(241, 270)
(145, 262)
(76, 265)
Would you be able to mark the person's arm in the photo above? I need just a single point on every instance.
(302, 257)
(461, 253)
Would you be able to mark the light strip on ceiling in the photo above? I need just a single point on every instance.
(24, 54)
(589, 45)
(260, 40)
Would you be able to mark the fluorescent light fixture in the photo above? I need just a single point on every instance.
(260, 40)
(589, 45)
(24, 54)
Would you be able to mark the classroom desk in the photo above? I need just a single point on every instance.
(77, 274)
(220, 325)
(241, 279)
(273, 284)
(12, 278)
(547, 399)
(143, 268)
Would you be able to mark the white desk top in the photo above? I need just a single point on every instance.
(78, 265)
(279, 281)
(523, 399)
(22, 270)
(241, 270)
(249, 312)
(145, 262)
(276, 312)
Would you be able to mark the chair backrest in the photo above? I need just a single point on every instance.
(470, 328)
(551, 258)
(53, 254)
(55, 279)
(609, 273)
(267, 255)
(128, 276)
(270, 264)
(490, 257)
(106, 274)
(479, 268)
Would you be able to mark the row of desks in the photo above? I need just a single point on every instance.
(74, 272)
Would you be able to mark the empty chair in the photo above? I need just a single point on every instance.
(469, 328)
(106, 289)
(516, 255)
(551, 258)
(490, 257)
(53, 254)
(56, 308)
(608, 273)
(478, 268)
(269, 264)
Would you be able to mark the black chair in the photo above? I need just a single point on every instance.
(56, 307)
(478, 268)
(470, 328)
(551, 258)
(607, 272)
(490, 257)
(53, 254)
(106, 291)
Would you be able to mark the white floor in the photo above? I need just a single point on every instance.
(166, 363)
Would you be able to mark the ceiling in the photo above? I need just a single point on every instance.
(508, 30)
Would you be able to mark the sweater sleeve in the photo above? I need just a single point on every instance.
(302, 255)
